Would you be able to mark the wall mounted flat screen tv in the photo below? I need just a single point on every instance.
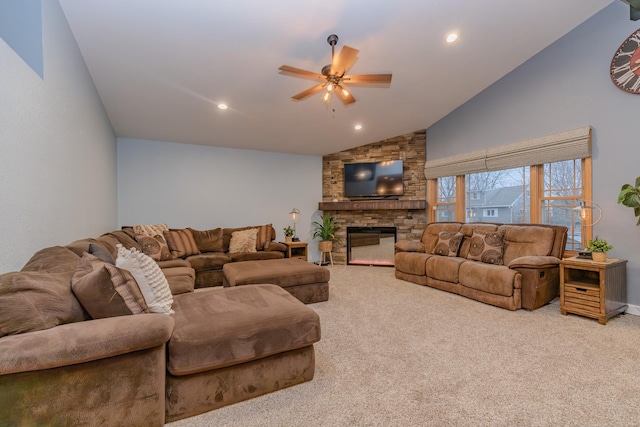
(373, 179)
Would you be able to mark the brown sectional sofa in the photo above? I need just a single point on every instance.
(58, 366)
(526, 274)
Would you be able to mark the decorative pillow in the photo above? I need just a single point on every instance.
(243, 241)
(448, 243)
(105, 290)
(208, 240)
(101, 253)
(152, 282)
(486, 247)
(34, 301)
(263, 237)
(152, 242)
(181, 243)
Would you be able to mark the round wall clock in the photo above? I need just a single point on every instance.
(625, 65)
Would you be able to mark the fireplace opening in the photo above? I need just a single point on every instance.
(371, 246)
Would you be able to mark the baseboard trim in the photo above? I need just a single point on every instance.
(633, 309)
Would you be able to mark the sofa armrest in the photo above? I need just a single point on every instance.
(409, 246)
(80, 342)
(276, 246)
(534, 262)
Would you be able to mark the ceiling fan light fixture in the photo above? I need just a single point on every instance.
(345, 92)
(330, 87)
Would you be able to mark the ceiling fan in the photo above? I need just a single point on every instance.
(333, 78)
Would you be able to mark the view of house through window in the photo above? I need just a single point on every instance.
(506, 196)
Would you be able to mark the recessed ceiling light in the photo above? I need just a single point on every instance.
(452, 37)
(223, 106)
(357, 127)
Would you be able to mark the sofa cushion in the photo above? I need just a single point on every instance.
(181, 279)
(105, 290)
(243, 241)
(37, 300)
(255, 256)
(444, 268)
(525, 240)
(221, 327)
(208, 240)
(208, 261)
(55, 259)
(448, 243)
(486, 247)
(489, 278)
(152, 282)
(181, 243)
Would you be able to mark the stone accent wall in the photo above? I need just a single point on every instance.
(411, 148)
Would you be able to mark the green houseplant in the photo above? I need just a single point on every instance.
(599, 248)
(630, 196)
(288, 233)
(326, 230)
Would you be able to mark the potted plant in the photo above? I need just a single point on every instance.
(599, 248)
(630, 196)
(288, 234)
(326, 230)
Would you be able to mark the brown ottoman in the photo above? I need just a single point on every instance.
(307, 282)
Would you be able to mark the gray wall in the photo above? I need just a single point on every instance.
(57, 148)
(564, 87)
(206, 187)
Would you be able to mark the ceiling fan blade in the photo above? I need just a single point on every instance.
(344, 61)
(297, 72)
(310, 91)
(345, 95)
(379, 80)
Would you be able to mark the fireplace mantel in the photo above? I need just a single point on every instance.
(373, 205)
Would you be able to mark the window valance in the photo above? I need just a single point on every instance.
(572, 144)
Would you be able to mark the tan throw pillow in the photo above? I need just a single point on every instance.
(181, 243)
(208, 240)
(448, 243)
(151, 240)
(243, 241)
(152, 282)
(105, 290)
(486, 247)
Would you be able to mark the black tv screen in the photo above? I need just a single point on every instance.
(372, 179)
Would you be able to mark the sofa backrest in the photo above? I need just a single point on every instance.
(519, 240)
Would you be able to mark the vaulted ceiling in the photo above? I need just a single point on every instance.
(161, 67)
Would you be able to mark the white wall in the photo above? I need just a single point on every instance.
(57, 149)
(207, 187)
(564, 87)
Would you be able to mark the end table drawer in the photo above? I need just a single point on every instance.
(585, 297)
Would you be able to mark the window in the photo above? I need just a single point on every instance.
(541, 180)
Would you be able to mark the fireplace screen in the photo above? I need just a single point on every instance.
(371, 245)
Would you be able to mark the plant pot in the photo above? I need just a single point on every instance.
(288, 239)
(325, 246)
(599, 256)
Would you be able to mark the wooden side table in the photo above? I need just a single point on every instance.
(593, 289)
(296, 250)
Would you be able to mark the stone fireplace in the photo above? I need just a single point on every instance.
(407, 213)
(371, 245)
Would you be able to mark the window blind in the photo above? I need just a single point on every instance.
(568, 145)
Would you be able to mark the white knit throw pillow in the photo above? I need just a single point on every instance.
(150, 278)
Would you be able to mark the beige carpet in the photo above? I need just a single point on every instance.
(395, 353)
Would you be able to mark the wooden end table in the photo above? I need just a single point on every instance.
(296, 250)
(593, 289)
